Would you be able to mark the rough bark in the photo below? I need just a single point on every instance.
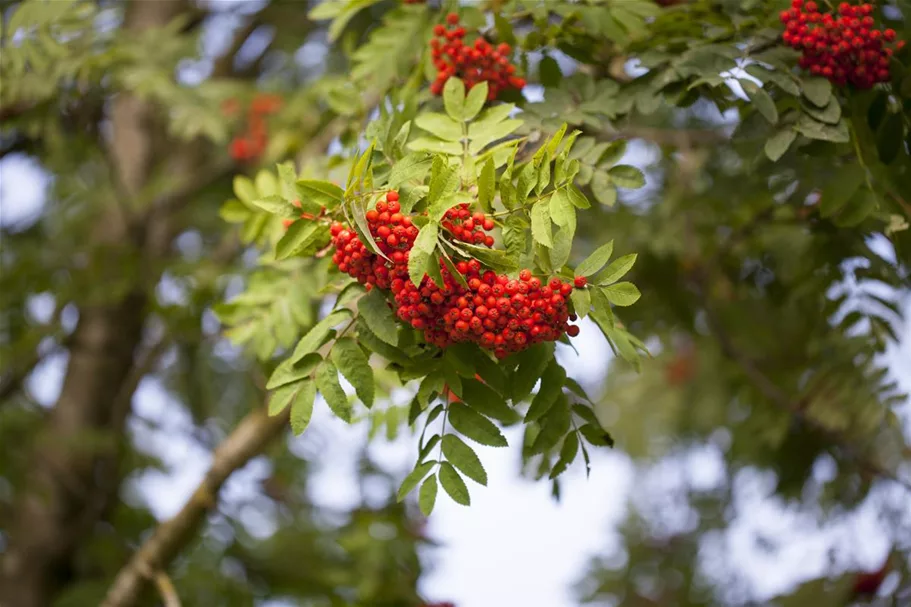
(49, 516)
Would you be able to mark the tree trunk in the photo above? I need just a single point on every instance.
(59, 506)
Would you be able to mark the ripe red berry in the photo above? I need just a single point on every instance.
(580, 281)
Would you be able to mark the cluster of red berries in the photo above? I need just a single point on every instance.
(498, 313)
(472, 63)
(252, 143)
(468, 227)
(843, 47)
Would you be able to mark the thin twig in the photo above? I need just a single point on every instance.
(165, 587)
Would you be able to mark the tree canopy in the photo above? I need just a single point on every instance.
(406, 212)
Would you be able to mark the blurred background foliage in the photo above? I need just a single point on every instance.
(766, 313)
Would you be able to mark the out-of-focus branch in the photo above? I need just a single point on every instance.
(165, 588)
(247, 440)
(224, 65)
(778, 397)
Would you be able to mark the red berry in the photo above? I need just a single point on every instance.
(580, 281)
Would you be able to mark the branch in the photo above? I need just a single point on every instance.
(165, 588)
(249, 439)
(776, 395)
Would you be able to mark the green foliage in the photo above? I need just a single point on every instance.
(751, 229)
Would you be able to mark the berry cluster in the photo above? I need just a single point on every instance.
(472, 63)
(844, 47)
(468, 227)
(252, 143)
(492, 310)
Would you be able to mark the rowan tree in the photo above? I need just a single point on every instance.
(267, 208)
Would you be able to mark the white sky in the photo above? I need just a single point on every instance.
(514, 545)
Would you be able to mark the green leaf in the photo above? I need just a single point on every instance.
(291, 370)
(438, 208)
(543, 178)
(440, 125)
(284, 396)
(554, 426)
(454, 98)
(551, 388)
(353, 364)
(549, 72)
(761, 100)
(627, 176)
(431, 384)
(818, 91)
(375, 311)
(840, 188)
(622, 293)
(541, 224)
(889, 138)
(580, 201)
(421, 253)
(495, 259)
(582, 301)
(859, 207)
(875, 113)
(778, 144)
(454, 485)
(427, 448)
(586, 413)
(299, 236)
(324, 193)
(596, 260)
(302, 407)
(532, 363)
(485, 400)
(567, 454)
(363, 229)
(244, 189)
(359, 169)
(617, 269)
(475, 426)
(414, 477)
(276, 205)
(329, 386)
(475, 100)
(432, 144)
(444, 180)
(809, 127)
(482, 137)
(234, 211)
(487, 186)
(562, 211)
(315, 336)
(831, 114)
(596, 435)
(563, 244)
(428, 495)
(414, 166)
(464, 458)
